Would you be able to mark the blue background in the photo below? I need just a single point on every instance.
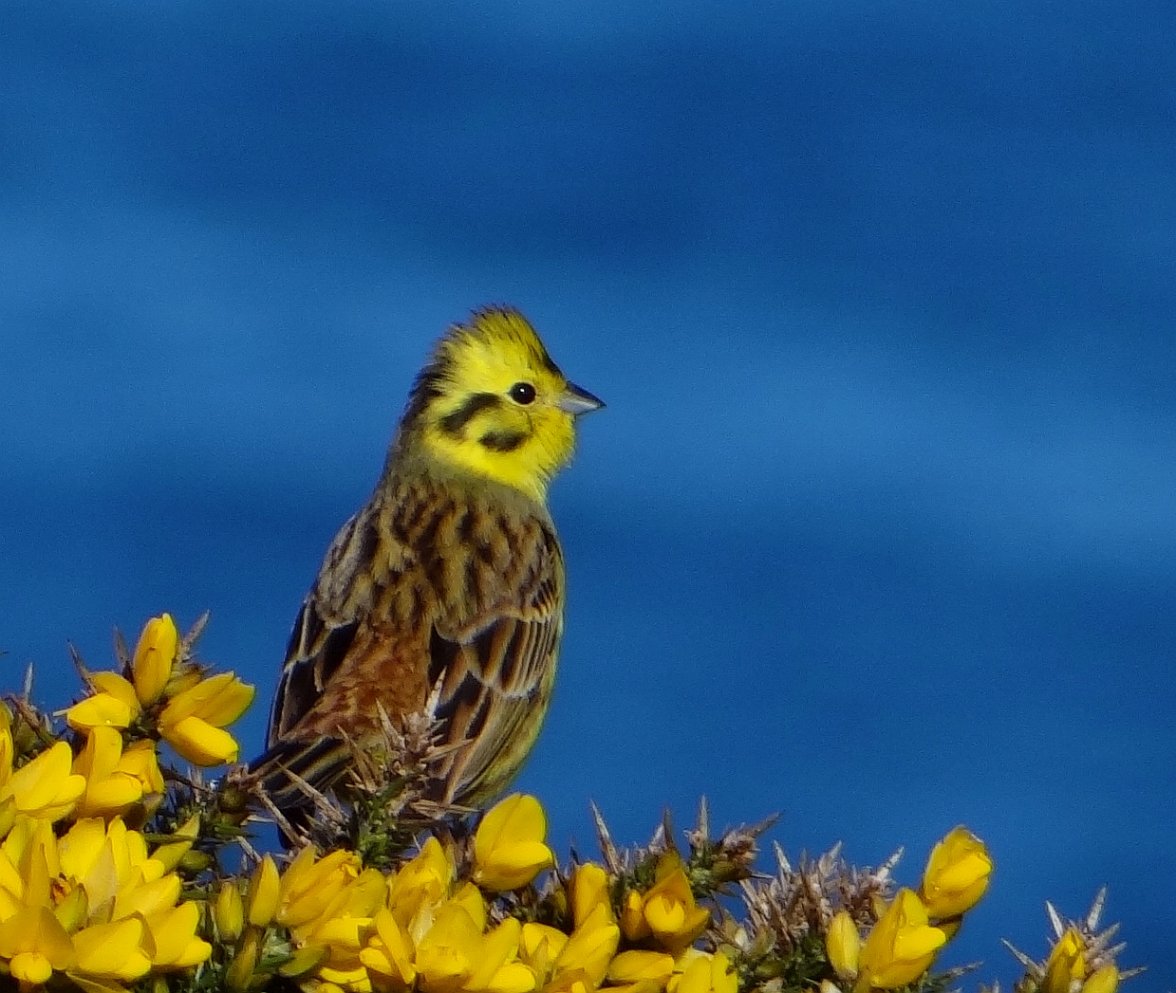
(878, 528)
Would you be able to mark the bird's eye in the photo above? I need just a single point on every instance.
(522, 393)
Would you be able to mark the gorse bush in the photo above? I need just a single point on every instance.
(113, 876)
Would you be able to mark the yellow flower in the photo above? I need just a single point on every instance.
(508, 847)
(590, 947)
(112, 951)
(703, 973)
(112, 863)
(389, 952)
(108, 790)
(901, 945)
(350, 978)
(308, 885)
(240, 971)
(173, 935)
(1066, 966)
(99, 710)
(1104, 979)
(201, 743)
(639, 966)
(422, 882)
(114, 685)
(446, 955)
(45, 787)
(540, 945)
(590, 889)
(34, 943)
(669, 908)
(512, 977)
(155, 655)
(140, 759)
(228, 912)
(194, 719)
(633, 922)
(114, 703)
(469, 897)
(261, 901)
(29, 863)
(957, 874)
(843, 945)
(496, 969)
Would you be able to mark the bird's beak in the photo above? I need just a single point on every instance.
(575, 400)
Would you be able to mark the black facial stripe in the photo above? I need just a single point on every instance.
(455, 422)
(503, 441)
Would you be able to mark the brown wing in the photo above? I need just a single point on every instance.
(420, 591)
(493, 686)
(343, 641)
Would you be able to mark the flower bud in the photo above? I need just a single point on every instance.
(843, 944)
(240, 971)
(261, 901)
(957, 874)
(229, 912)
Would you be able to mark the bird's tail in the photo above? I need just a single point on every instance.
(293, 773)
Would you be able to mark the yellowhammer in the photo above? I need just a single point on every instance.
(448, 585)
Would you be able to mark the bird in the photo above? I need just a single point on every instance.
(447, 588)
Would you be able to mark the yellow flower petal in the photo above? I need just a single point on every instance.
(1104, 979)
(540, 946)
(393, 956)
(636, 966)
(229, 911)
(590, 889)
(422, 881)
(99, 710)
(219, 700)
(35, 933)
(111, 796)
(590, 947)
(512, 977)
(99, 756)
(200, 742)
(633, 922)
(45, 787)
(445, 955)
(141, 760)
(309, 885)
(112, 951)
(497, 947)
(119, 687)
(30, 967)
(901, 945)
(147, 898)
(173, 933)
(508, 846)
(843, 944)
(155, 654)
(261, 901)
(80, 847)
(957, 874)
(1066, 964)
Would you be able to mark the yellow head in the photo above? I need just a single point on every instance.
(491, 402)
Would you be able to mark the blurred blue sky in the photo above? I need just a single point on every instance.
(879, 527)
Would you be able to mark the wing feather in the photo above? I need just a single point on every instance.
(423, 591)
